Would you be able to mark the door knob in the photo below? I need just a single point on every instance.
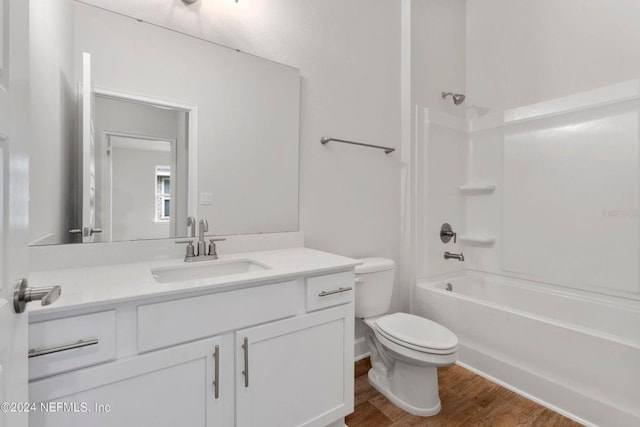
(23, 293)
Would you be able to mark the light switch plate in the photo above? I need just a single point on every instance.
(206, 198)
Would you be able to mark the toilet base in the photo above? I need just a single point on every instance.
(418, 386)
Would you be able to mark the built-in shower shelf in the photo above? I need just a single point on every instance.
(478, 188)
(477, 239)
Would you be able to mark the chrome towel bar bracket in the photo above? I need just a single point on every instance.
(326, 139)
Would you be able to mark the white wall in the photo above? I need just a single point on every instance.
(53, 93)
(521, 52)
(438, 53)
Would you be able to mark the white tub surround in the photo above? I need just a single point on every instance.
(477, 239)
(579, 355)
(536, 193)
(574, 150)
(229, 350)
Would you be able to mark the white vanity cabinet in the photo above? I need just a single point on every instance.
(167, 388)
(293, 372)
(274, 354)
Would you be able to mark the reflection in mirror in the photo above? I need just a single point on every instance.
(137, 211)
(140, 128)
(142, 171)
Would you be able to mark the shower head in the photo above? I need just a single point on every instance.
(458, 98)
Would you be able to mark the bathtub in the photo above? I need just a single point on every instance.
(577, 354)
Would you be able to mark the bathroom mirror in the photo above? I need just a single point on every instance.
(138, 128)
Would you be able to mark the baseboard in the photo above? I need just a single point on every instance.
(360, 349)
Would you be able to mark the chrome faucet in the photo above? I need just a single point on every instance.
(449, 255)
(203, 227)
(204, 252)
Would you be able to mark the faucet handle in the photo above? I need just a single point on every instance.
(191, 252)
(446, 233)
(212, 246)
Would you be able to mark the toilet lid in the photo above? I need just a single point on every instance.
(417, 331)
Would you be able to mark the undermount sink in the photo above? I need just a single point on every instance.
(205, 269)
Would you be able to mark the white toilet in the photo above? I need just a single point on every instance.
(406, 350)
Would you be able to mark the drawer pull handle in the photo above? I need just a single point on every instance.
(216, 381)
(336, 291)
(45, 351)
(245, 346)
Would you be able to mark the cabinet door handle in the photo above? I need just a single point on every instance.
(51, 350)
(335, 291)
(245, 346)
(216, 369)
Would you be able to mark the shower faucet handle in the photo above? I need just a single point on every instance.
(446, 233)
(458, 98)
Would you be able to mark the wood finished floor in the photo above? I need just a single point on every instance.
(467, 400)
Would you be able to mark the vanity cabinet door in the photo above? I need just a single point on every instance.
(296, 372)
(168, 388)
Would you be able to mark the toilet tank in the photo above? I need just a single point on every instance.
(374, 286)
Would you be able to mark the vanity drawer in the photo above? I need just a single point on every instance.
(173, 322)
(329, 290)
(61, 345)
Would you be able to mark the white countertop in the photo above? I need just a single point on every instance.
(104, 285)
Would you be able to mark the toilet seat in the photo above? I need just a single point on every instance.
(415, 357)
(416, 333)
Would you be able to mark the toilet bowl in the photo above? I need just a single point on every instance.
(406, 350)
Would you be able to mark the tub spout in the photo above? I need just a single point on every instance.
(449, 255)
